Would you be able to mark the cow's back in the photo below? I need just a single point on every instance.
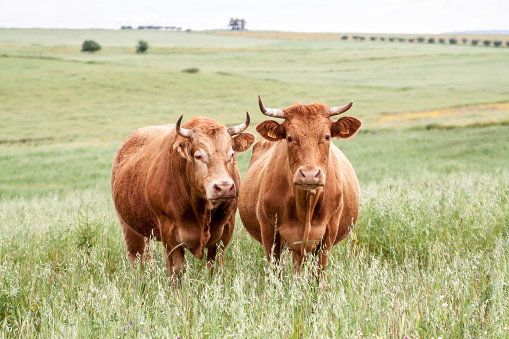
(131, 165)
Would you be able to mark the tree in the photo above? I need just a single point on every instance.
(237, 24)
(142, 46)
(90, 46)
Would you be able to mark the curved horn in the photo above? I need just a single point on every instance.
(240, 128)
(183, 132)
(340, 109)
(271, 112)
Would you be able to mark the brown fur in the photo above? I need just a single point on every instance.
(308, 221)
(158, 189)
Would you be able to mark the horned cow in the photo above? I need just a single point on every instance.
(300, 191)
(179, 184)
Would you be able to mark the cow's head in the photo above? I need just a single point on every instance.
(307, 131)
(209, 149)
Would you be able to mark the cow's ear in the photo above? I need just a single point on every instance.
(242, 142)
(345, 127)
(184, 149)
(271, 130)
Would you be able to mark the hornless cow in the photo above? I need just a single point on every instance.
(179, 184)
(300, 191)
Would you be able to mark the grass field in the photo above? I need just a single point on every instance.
(427, 258)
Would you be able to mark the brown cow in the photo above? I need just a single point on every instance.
(179, 185)
(300, 191)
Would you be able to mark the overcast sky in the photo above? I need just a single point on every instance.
(382, 16)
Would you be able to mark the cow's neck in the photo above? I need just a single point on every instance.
(187, 197)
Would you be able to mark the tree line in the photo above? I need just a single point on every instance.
(430, 40)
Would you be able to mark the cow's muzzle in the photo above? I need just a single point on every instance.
(220, 190)
(309, 177)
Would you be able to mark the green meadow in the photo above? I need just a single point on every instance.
(428, 256)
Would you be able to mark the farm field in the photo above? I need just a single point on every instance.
(427, 257)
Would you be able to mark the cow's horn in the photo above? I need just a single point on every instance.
(183, 132)
(271, 112)
(240, 128)
(340, 109)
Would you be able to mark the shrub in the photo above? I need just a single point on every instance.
(441, 40)
(87, 231)
(507, 43)
(464, 40)
(344, 37)
(373, 38)
(486, 42)
(421, 39)
(402, 39)
(431, 40)
(142, 46)
(90, 46)
(191, 70)
(497, 43)
(411, 40)
(453, 41)
(362, 38)
(383, 39)
(475, 42)
(392, 39)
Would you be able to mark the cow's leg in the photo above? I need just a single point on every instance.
(212, 257)
(323, 251)
(273, 253)
(174, 250)
(271, 240)
(134, 242)
(272, 249)
(297, 259)
(220, 246)
(175, 259)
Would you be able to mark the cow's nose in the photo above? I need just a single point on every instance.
(224, 188)
(309, 175)
(221, 189)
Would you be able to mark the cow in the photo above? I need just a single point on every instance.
(179, 185)
(300, 191)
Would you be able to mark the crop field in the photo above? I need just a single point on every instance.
(427, 258)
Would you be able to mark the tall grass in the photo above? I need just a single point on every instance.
(425, 260)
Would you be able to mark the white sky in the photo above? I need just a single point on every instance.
(363, 16)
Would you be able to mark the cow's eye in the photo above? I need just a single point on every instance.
(198, 157)
(289, 139)
(327, 137)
